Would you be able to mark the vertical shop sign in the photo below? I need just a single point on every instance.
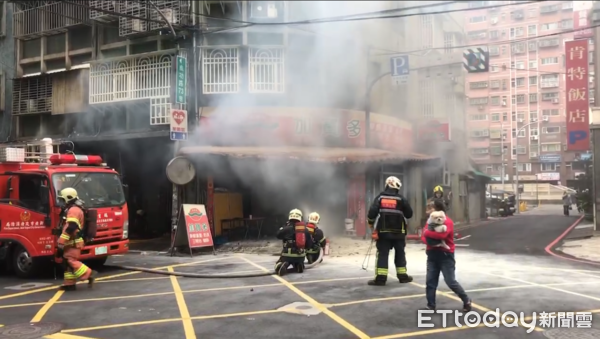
(181, 80)
(577, 91)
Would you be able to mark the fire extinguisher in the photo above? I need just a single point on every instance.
(326, 247)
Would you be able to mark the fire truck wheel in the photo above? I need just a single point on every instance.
(23, 264)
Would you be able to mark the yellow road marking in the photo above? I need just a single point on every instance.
(65, 336)
(133, 279)
(543, 286)
(50, 288)
(316, 304)
(188, 326)
(42, 312)
(473, 305)
(161, 321)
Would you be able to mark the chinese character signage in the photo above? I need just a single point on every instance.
(179, 124)
(581, 19)
(577, 103)
(197, 226)
(181, 80)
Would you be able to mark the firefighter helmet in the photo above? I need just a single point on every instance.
(68, 194)
(295, 214)
(314, 218)
(393, 182)
(438, 188)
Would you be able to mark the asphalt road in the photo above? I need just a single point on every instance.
(502, 266)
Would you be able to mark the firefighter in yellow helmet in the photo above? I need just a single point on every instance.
(296, 239)
(71, 242)
(438, 194)
(390, 209)
(318, 238)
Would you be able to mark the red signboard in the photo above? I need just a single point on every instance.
(581, 19)
(577, 91)
(434, 131)
(197, 226)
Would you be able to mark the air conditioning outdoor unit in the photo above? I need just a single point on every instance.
(481, 107)
(534, 137)
(263, 9)
(555, 101)
(533, 120)
(494, 21)
(545, 118)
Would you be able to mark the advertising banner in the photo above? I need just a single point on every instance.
(581, 19)
(577, 91)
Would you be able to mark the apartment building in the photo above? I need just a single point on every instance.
(7, 55)
(518, 108)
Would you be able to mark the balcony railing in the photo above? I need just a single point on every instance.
(32, 95)
(52, 18)
(135, 78)
(161, 14)
(99, 9)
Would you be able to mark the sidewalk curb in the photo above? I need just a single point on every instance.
(551, 248)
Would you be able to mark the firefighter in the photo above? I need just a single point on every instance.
(296, 239)
(71, 242)
(318, 238)
(391, 210)
(438, 193)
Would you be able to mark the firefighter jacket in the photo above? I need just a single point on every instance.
(318, 238)
(390, 209)
(71, 231)
(288, 235)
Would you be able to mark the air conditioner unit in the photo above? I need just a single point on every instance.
(494, 21)
(533, 120)
(545, 118)
(263, 9)
(555, 101)
(534, 137)
(533, 155)
(520, 121)
(481, 107)
(504, 103)
(520, 66)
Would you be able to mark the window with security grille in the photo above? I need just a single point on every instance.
(32, 95)
(267, 69)
(426, 87)
(220, 70)
(551, 112)
(427, 31)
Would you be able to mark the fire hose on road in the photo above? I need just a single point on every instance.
(207, 276)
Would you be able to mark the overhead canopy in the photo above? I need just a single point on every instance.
(479, 173)
(338, 155)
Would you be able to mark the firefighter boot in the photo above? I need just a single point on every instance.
(281, 268)
(404, 278)
(92, 279)
(68, 288)
(378, 281)
(300, 268)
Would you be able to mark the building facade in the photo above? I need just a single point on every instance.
(7, 57)
(106, 75)
(518, 108)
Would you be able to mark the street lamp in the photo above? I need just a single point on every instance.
(517, 207)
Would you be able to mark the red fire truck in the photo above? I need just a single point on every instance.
(31, 175)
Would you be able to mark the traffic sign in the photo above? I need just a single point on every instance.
(476, 60)
(399, 68)
(179, 124)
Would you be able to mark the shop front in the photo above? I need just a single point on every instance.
(253, 165)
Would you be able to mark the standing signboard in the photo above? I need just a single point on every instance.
(179, 124)
(193, 228)
(577, 91)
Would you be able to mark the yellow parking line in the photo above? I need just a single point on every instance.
(161, 321)
(188, 326)
(316, 304)
(42, 312)
(50, 288)
(65, 336)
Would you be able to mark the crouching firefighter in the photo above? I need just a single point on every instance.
(318, 238)
(296, 239)
(391, 210)
(71, 242)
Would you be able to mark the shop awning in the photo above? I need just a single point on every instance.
(479, 173)
(339, 155)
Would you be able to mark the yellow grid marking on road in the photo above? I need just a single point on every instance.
(315, 303)
(161, 321)
(42, 312)
(50, 288)
(65, 336)
(188, 326)
(473, 305)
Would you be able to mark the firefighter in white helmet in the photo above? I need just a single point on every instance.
(71, 241)
(318, 238)
(296, 239)
(391, 210)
